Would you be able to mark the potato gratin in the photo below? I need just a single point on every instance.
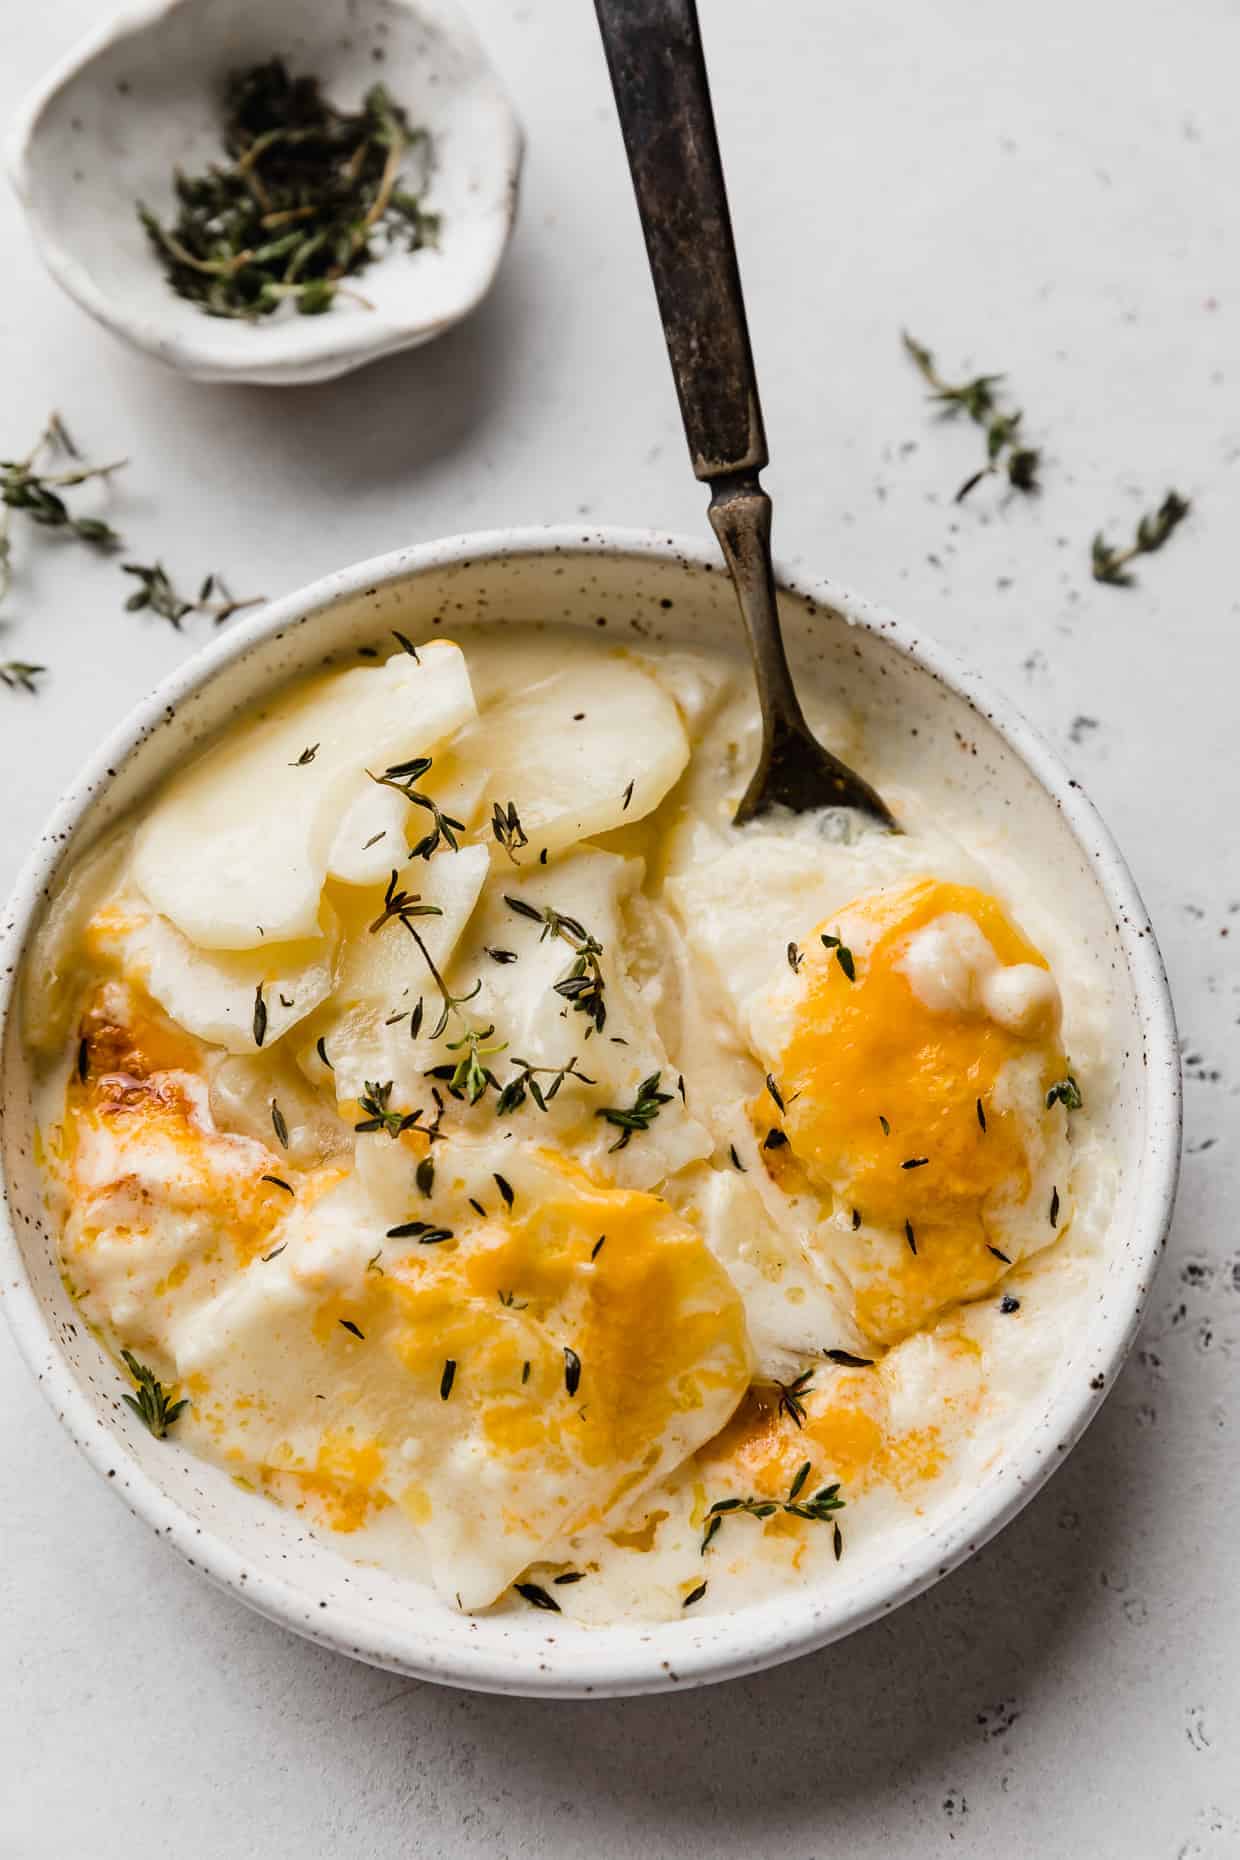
(467, 1138)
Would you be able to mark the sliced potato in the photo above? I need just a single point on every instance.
(214, 993)
(581, 751)
(236, 849)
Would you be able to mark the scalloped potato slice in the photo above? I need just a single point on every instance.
(236, 848)
(501, 1426)
(567, 748)
(213, 993)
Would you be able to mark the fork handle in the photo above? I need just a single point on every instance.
(658, 74)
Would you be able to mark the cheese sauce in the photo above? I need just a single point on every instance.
(544, 1187)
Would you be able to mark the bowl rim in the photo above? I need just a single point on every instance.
(637, 1657)
(333, 346)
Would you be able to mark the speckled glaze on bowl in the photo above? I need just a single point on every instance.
(139, 99)
(634, 585)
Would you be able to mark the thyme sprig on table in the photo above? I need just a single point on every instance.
(819, 1509)
(17, 675)
(27, 486)
(404, 777)
(646, 1106)
(152, 1404)
(977, 398)
(584, 984)
(1110, 566)
(156, 590)
(298, 207)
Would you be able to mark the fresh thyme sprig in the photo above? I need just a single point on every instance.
(152, 1404)
(17, 675)
(792, 1394)
(469, 1078)
(402, 906)
(156, 591)
(39, 494)
(309, 189)
(820, 1509)
(640, 1115)
(976, 398)
(1156, 526)
(403, 777)
(508, 831)
(375, 1101)
(525, 1079)
(584, 983)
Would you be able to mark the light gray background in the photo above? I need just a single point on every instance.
(1049, 190)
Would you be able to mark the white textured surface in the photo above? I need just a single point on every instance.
(1053, 195)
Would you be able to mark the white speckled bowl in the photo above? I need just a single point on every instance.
(140, 98)
(634, 584)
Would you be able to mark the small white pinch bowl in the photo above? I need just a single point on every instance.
(140, 98)
(939, 724)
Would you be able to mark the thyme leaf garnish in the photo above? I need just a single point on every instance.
(353, 1330)
(584, 983)
(847, 1360)
(1065, 1091)
(306, 757)
(791, 1396)
(820, 1509)
(375, 1101)
(404, 777)
(977, 399)
(447, 1379)
(525, 1080)
(843, 955)
(507, 829)
(1110, 565)
(277, 1181)
(260, 1016)
(152, 1403)
(572, 1370)
(424, 1232)
(646, 1106)
(536, 1597)
(694, 1595)
(279, 1125)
